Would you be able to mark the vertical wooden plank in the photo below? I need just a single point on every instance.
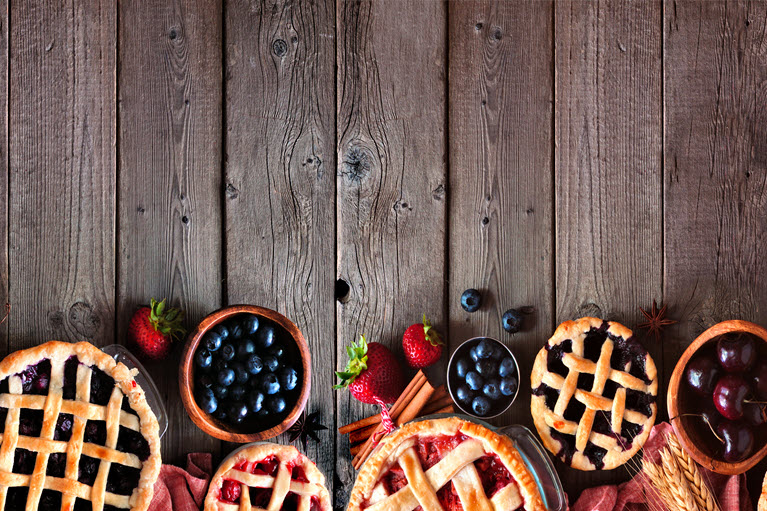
(501, 175)
(391, 179)
(170, 177)
(280, 178)
(4, 220)
(62, 172)
(608, 129)
(716, 168)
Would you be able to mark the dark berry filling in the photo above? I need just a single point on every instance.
(592, 344)
(35, 379)
(95, 432)
(132, 442)
(121, 479)
(24, 461)
(629, 430)
(50, 500)
(566, 446)
(57, 464)
(554, 357)
(85, 505)
(260, 497)
(595, 455)
(30, 422)
(88, 469)
(63, 429)
(101, 387)
(610, 389)
(603, 423)
(585, 381)
(550, 394)
(639, 401)
(69, 390)
(16, 498)
(126, 406)
(575, 410)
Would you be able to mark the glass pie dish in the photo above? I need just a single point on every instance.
(532, 455)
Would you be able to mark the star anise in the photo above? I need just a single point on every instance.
(305, 428)
(656, 320)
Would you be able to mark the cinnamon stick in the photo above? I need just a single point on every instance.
(434, 406)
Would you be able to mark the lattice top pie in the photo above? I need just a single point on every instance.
(268, 477)
(763, 499)
(445, 465)
(78, 433)
(594, 388)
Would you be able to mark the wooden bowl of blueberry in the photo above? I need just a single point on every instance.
(245, 374)
(483, 377)
(717, 397)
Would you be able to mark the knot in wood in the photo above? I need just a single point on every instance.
(231, 191)
(280, 47)
(356, 164)
(83, 319)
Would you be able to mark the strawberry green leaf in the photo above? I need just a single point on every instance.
(358, 359)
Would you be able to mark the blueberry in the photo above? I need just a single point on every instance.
(275, 404)
(485, 349)
(235, 330)
(507, 367)
(491, 390)
(205, 393)
(471, 300)
(219, 365)
(265, 336)
(288, 378)
(480, 405)
(485, 367)
(221, 414)
(270, 383)
(511, 321)
(226, 377)
(463, 394)
(276, 350)
(208, 403)
(212, 341)
(227, 352)
(462, 367)
(240, 374)
(271, 363)
(474, 380)
(220, 391)
(222, 331)
(473, 354)
(236, 392)
(245, 349)
(254, 365)
(249, 324)
(255, 401)
(205, 381)
(203, 359)
(237, 412)
(508, 386)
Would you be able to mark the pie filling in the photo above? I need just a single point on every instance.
(121, 479)
(231, 490)
(626, 353)
(431, 449)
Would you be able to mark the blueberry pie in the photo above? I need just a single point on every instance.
(269, 477)
(445, 465)
(594, 389)
(78, 433)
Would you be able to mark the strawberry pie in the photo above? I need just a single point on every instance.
(268, 477)
(445, 464)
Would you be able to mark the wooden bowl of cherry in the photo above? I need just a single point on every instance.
(688, 426)
(224, 431)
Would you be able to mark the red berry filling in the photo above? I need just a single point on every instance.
(432, 449)
(260, 497)
(230, 491)
(267, 466)
(494, 474)
(298, 474)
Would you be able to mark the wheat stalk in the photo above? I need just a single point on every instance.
(678, 486)
(700, 492)
(659, 483)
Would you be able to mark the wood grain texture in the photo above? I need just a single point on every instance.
(608, 143)
(390, 180)
(501, 175)
(280, 179)
(4, 171)
(169, 178)
(715, 201)
(62, 172)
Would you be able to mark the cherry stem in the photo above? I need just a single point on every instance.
(757, 402)
(705, 419)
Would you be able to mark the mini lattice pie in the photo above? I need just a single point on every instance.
(594, 388)
(268, 477)
(445, 465)
(78, 433)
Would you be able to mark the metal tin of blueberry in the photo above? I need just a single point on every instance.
(483, 377)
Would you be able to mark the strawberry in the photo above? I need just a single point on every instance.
(372, 374)
(152, 330)
(422, 344)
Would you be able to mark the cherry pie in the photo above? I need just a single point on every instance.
(78, 433)
(268, 477)
(594, 389)
(445, 465)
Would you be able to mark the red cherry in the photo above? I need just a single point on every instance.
(702, 374)
(738, 440)
(759, 376)
(755, 414)
(737, 352)
(729, 395)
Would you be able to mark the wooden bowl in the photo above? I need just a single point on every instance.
(209, 424)
(684, 426)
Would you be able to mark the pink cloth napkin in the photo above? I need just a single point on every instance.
(183, 490)
(730, 491)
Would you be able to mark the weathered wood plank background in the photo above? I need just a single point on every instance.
(580, 157)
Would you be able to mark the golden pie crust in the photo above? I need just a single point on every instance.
(53, 404)
(281, 484)
(548, 421)
(456, 466)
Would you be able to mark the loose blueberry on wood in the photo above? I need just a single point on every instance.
(512, 321)
(471, 300)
